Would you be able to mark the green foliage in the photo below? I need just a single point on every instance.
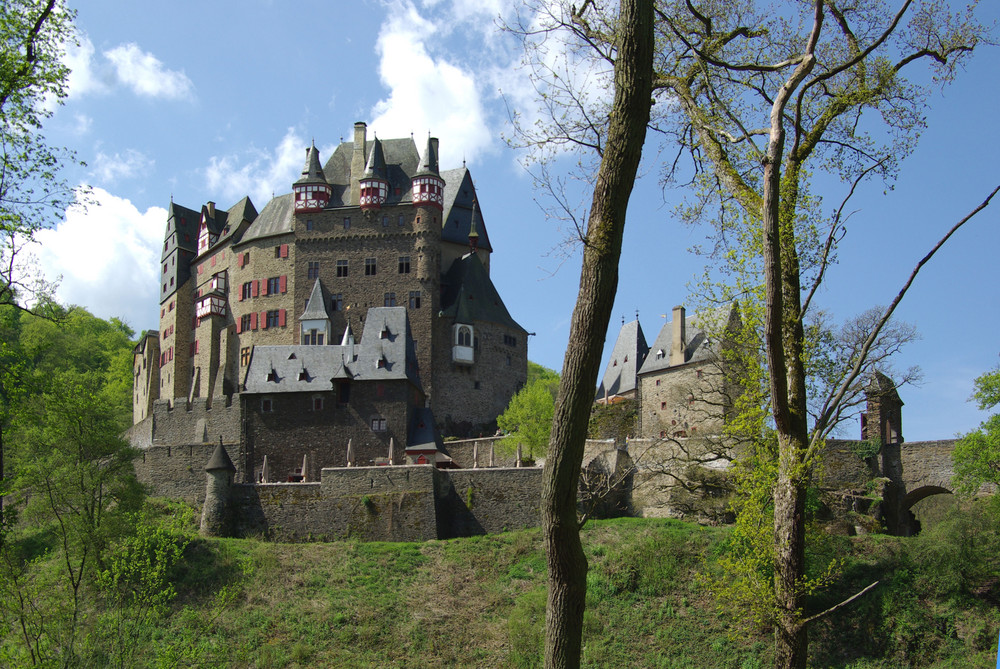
(977, 455)
(70, 489)
(33, 35)
(135, 585)
(538, 373)
(613, 421)
(528, 418)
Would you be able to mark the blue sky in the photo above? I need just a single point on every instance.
(215, 100)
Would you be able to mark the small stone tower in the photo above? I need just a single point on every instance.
(219, 480)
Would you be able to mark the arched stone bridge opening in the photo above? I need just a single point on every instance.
(927, 469)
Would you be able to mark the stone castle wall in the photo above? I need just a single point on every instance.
(404, 503)
(177, 472)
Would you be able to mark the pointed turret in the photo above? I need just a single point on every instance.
(374, 184)
(312, 192)
(315, 319)
(428, 186)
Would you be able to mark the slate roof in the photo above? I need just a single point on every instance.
(428, 161)
(401, 160)
(456, 220)
(316, 307)
(275, 219)
(375, 168)
(312, 173)
(882, 386)
(300, 368)
(468, 294)
(627, 356)
(239, 212)
(699, 347)
(185, 221)
(220, 460)
(423, 434)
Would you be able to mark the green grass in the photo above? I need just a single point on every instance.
(480, 602)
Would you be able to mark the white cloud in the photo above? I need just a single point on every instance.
(127, 65)
(131, 163)
(259, 173)
(83, 76)
(428, 92)
(146, 75)
(107, 253)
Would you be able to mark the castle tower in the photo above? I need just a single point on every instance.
(374, 184)
(312, 192)
(219, 478)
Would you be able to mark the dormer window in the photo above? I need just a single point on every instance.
(272, 376)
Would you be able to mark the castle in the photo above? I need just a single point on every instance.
(683, 384)
(357, 309)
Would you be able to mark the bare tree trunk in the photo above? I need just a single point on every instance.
(567, 565)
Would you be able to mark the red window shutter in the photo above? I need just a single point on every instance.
(213, 261)
(239, 259)
(263, 320)
(282, 283)
(222, 254)
(253, 321)
(281, 315)
(201, 268)
(284, 250)
(238, 326)
(256, 287)
(241, 295)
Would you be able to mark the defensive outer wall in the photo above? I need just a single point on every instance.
(413, 503)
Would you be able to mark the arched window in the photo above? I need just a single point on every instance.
(464, 337)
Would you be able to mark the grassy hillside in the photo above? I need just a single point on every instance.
(479, 602)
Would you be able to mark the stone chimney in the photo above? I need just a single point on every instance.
(358, 160)
(679, 341)
(211, 208)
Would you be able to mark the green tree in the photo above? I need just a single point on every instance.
(70, 479)
(977, 454)
(528, 418)
(33, 35)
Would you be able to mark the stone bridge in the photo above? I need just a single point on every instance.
(927, 469)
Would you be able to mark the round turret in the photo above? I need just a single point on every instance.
(373, 183)
(312, 192)
(428, 186)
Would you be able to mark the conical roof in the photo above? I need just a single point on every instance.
(375, 169)
(220, 460)
(316, 307)
(312, 172)
(428, 161)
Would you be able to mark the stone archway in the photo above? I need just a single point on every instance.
(914, 496)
